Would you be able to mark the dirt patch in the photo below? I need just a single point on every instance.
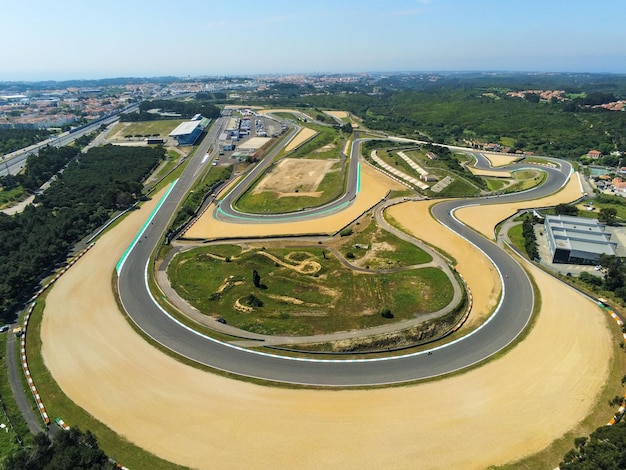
(338, 114)
(326, 148)
(295, 177)
(372, 253)
(303, 267)
(288, 300)
(494, 173)
(242, 308)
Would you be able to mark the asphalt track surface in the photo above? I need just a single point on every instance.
(509, 320)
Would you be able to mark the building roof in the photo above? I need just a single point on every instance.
(185, 128)
(580, 235)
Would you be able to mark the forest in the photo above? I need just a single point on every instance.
(186, 109)
(70, 449)
(15, 139)
(40, 168)
(605, 449)
(102, 181)
(455, 111)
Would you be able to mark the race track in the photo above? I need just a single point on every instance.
(507, 322)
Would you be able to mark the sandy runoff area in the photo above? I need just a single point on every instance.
(485, 221)
(497, 159)
(374, 187)
(338, 114)
(301, 137)
(510, 407)
(493, 173)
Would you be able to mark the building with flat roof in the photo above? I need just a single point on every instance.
(577, 240)
(186, 133)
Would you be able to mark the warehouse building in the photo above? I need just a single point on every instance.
(188, 132)
(577, 240)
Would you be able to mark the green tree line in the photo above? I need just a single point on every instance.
(459, 115)
(40, 168)
(67, 450)
(102, 181)
(18, 138)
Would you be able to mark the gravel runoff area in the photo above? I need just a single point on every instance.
(508, 408)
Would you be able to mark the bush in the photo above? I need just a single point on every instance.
(386, 313)
(252, 301)
(345, 232)
(590, 279)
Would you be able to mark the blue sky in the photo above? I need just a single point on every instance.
(71, 39)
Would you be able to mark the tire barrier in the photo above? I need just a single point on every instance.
(622, 409)
(22, 333)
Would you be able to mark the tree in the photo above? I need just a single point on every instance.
(566, 209)
(607, 215)
(590, 278)
(69, 449)
(256, 278)
(530, 239)
(605, 449)
(252, 300)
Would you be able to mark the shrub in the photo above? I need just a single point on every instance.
(252, 300)
(386, 313)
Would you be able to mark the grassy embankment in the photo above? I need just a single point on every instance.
(12, 196)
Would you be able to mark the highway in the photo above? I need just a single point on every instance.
(509, 320)
(13, 163)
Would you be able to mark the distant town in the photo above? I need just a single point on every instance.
(51, 105)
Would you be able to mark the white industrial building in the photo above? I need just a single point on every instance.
(577, 240)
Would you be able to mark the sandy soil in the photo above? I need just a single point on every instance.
(291, 174)
(497, 159)
(254, 143)
(485, 221)
(305, 134)
(377, 186)
(338, 114)
(497, 174)
(508, 408)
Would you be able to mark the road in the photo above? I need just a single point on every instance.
(13, 163)
(509, 320)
